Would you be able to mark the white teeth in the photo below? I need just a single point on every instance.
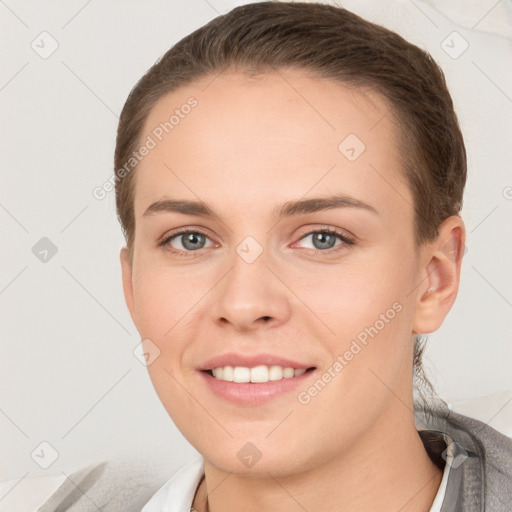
(227, 373)
(288, 373)
(259, 374)
(217, 373)
(241, 374)
(275, 373)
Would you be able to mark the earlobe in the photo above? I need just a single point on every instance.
(441, 276)
(126, 269)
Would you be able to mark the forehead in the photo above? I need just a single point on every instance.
(249, 143)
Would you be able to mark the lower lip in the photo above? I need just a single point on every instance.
(252, 393)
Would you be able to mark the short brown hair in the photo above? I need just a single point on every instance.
(333, 43)
(329, 42)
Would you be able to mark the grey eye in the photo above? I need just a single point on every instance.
(191, 241)
(323, 240)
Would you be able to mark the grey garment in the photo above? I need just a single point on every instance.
(480, 477)
(121, 485)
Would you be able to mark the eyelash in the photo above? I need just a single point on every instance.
(347, 241)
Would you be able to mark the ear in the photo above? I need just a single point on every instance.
(126, 269)
(441, 262)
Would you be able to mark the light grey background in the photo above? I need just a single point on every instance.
(68, 373)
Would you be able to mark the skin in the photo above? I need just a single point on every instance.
(249, 146)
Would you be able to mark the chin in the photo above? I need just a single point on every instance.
(258, 469)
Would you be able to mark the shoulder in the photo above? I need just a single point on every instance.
(125, 484)
(481, 470)
(494, 453)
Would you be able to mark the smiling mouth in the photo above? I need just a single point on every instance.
(256, 374)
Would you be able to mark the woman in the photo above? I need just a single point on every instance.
(289, 179)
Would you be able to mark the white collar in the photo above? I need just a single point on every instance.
(438, 500)
(177, 494)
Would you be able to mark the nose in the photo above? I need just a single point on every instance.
(250, 295)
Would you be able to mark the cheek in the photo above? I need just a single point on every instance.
(367, 314)
(352, 297)
(169, 306)
(164, 313)
(161, 298)
(369, 317)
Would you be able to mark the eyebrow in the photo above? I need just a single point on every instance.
(288, 209)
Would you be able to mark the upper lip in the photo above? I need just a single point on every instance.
(233, 359)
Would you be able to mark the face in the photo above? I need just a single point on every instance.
(274, 270)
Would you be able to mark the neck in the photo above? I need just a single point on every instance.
(388, 470)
